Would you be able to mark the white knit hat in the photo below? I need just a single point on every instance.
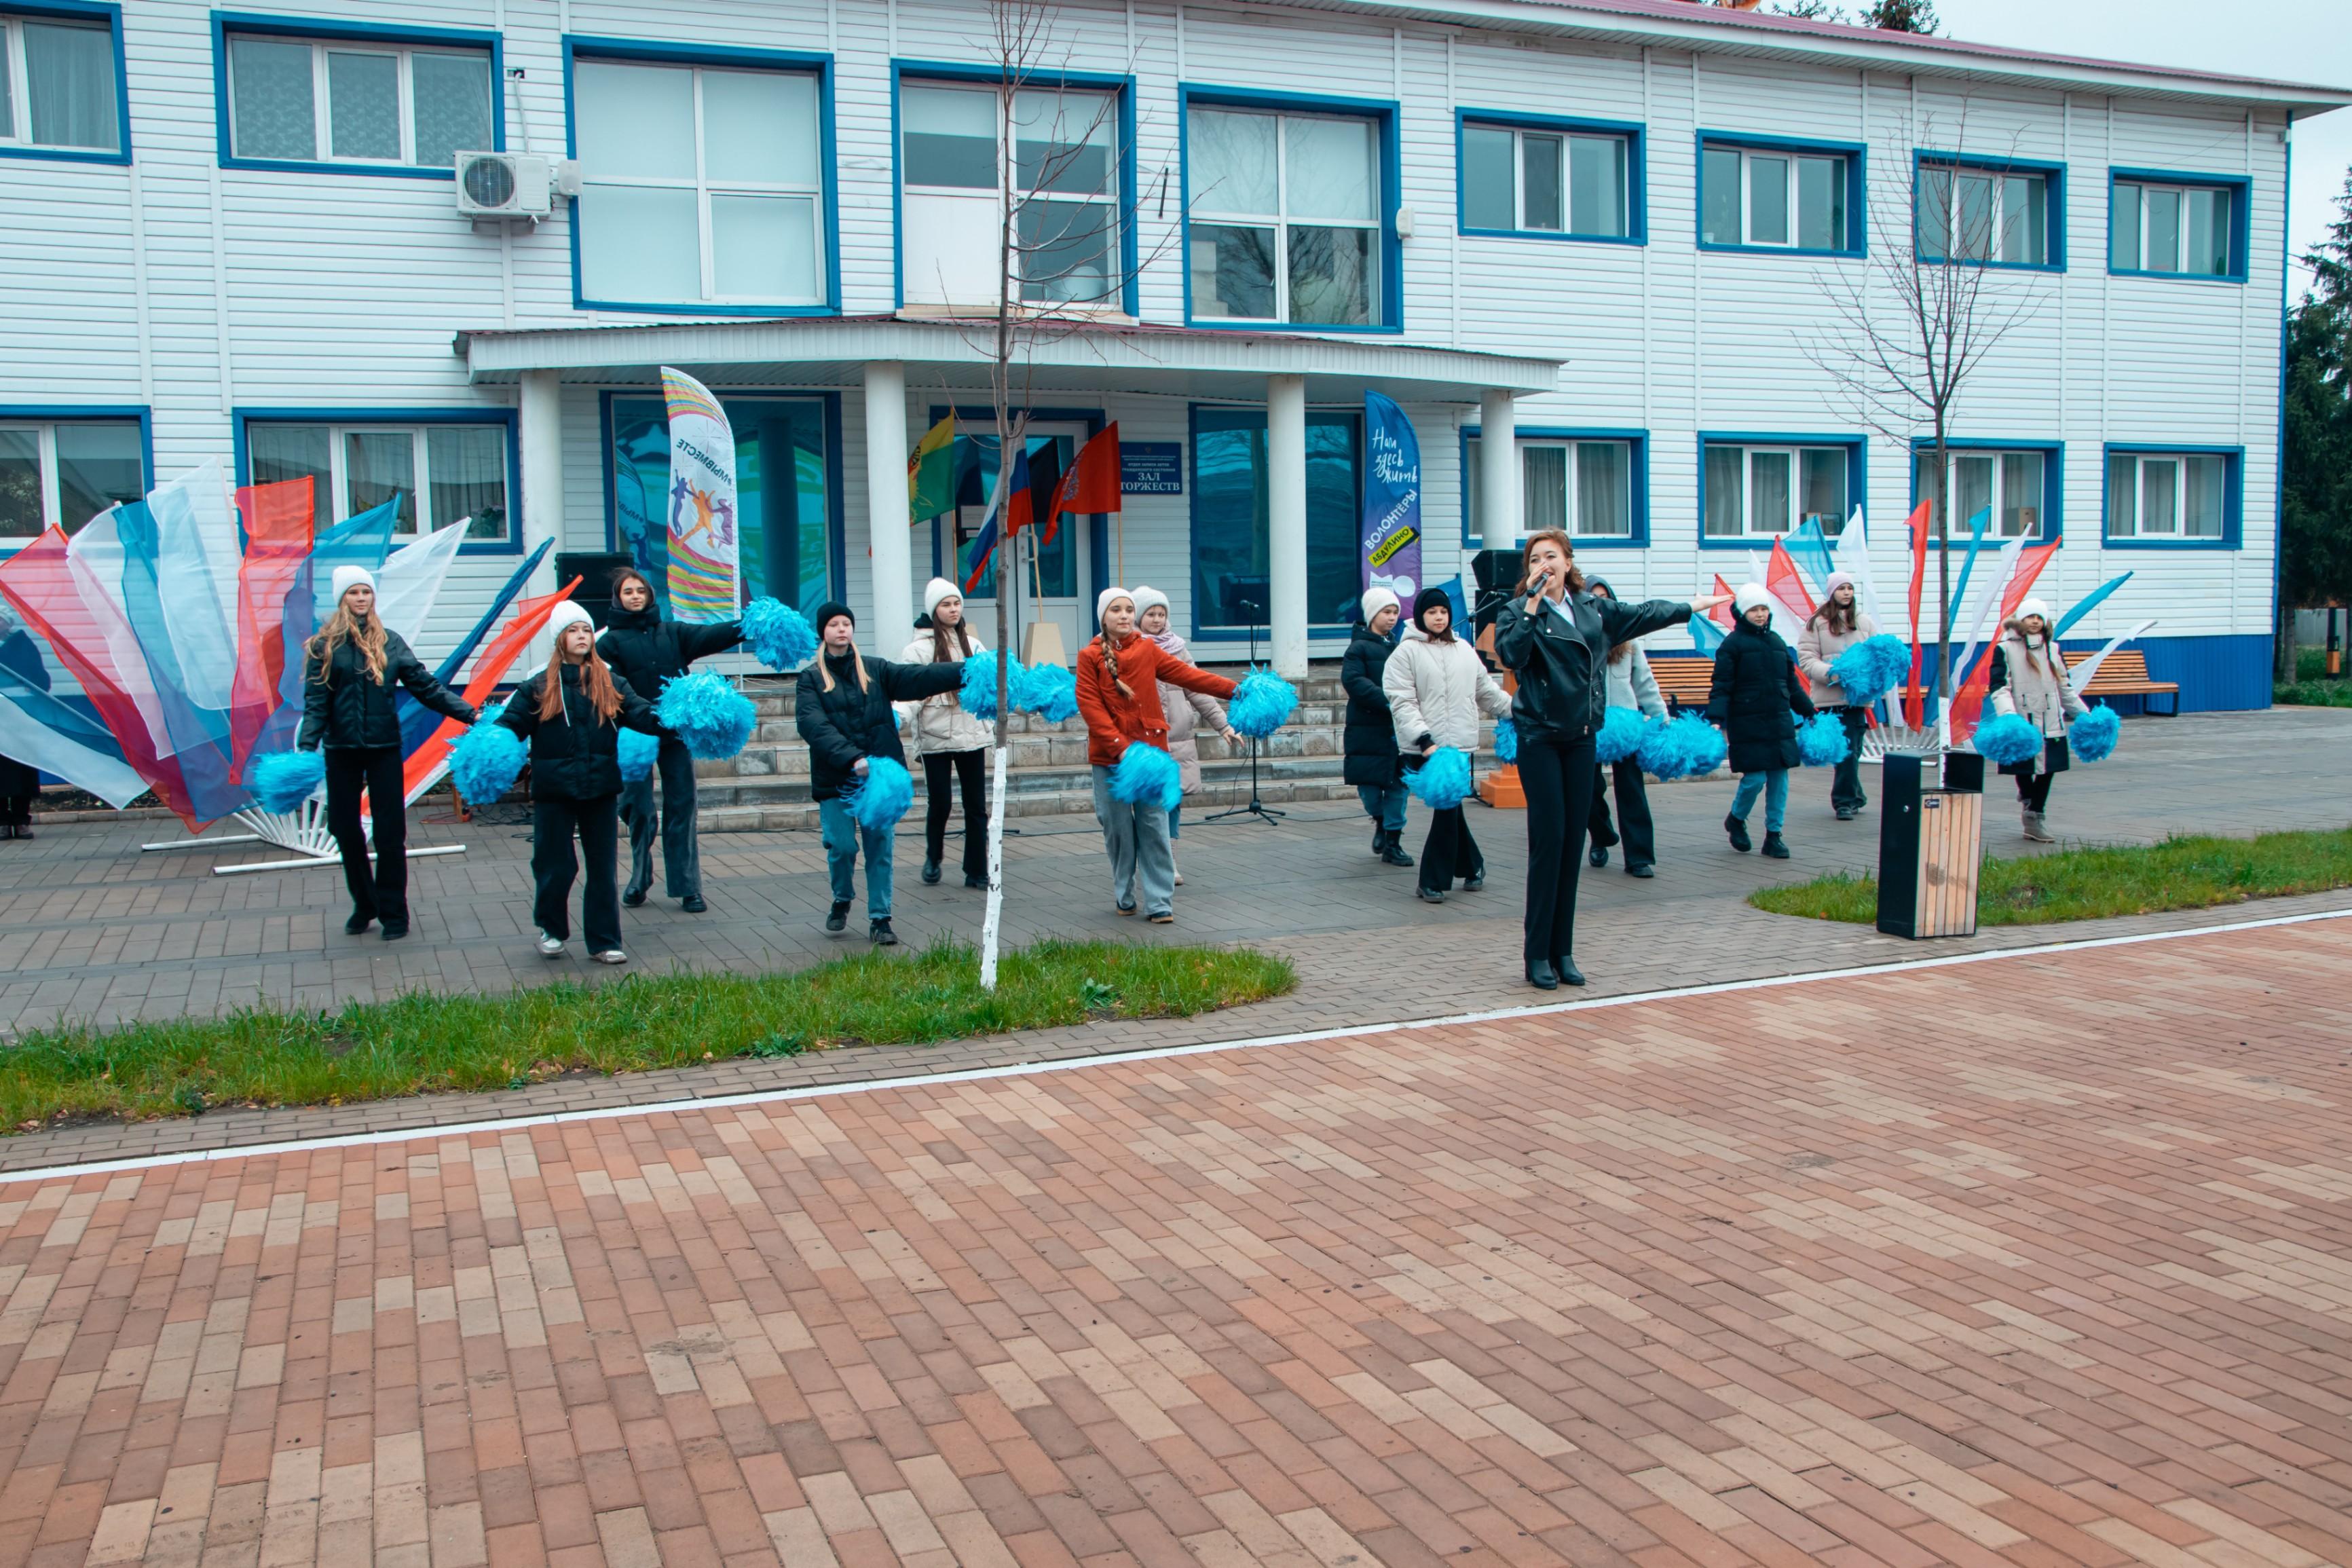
(347, 578)
(935, 590)
(1145, 598)
(2034, 607)
(1839, 579)
(1376, 599)
(1748, 596)
(1104, 599)
(566, 614)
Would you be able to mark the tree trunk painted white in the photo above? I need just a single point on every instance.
(989, 923)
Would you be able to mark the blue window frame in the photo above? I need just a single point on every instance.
(2186, 227)
(2173, 496)
(347, 98)
(1542, 177)
(61, 465)
(788, 502)
(1754, 488)
(1289, 212)
(1780, 195)
(940, 184)
(445, 466)
(1994, 212)
(1591, 481)
(1231, 565)
(708, 184)
(2021, 482)
(61, 82)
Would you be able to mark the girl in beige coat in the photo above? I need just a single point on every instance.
(2030, 679)
(1437, 686)
(1186, 710)
(950, 742)
(1837, 625)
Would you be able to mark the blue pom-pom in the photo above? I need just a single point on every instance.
(638, 752)
(1684, 747)
(1047, 690)
(1871, 669)
(2008, 739)
(1146, 773)
(1261, 704)
(711, 717)
(487, 760)
(779, 636)
(1821, 741)
(879, 802)
(1507, 740)
(2092, 736)
(1442, 781)
(282, 780)
(1620, 737)
(978, 697)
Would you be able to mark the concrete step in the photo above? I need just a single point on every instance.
(1045, 779)
(784, 815)
(783, 755)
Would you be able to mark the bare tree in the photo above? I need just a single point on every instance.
(1914, 323)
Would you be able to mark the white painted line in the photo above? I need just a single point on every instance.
(1153, 1054)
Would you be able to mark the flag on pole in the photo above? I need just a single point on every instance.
(1721, 615)
(1851, 555)
(1969, 703)
(704, 579)
(930, 473)
(1786, 584)
(1914, 700)
(2085, 604)
(1091, 485)
(1018, 503)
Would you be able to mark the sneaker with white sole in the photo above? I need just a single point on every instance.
(612, 955)
(550, 946)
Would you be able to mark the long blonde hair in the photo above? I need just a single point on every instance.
(364, 633)
(825, 669)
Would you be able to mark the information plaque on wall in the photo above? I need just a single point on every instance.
(1152, 467)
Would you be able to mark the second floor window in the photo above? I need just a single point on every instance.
(295, 101)
(65, 473)
(2171, 228)
(1544, 181)
(1583, 488)
(2009, 484)
(1286, 220)
(57, 85)
(1983, 214)
(1056, 162)
(1769, 197)
(2168, 495)
(1758, 492)
(698, 185)
(437, 474)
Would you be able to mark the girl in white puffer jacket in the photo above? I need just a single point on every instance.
(950, 742)
(1437, 686)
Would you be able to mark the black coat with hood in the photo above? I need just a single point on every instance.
(1756, 696)
(1560, 654)
(846, 723)
(576, 755)
(646, 649)
(343, 706)
(1368, 745)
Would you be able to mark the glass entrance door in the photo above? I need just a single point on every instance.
(1050, 576)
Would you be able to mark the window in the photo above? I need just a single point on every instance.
(437, 474)
(1230, 563)
(1779, 198)
(1287, 217)
(1756, 490)
(65, 473)
(2169, 497)
(2171, 228)
(699, 185)
(358, 100)
(1585, 488)
(783, 502)
(57, 84)
(1977, 214)
(1530, 181)
(956, 175)
(2009, 484)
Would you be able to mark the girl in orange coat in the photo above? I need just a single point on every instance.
(1118, 695)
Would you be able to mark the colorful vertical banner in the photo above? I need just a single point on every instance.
(705, 576)
(1391, 533)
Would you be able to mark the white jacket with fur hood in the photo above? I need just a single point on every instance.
(1438, 690)
(941, 723)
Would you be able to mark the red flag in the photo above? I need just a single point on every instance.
(1969, 703)
(1786, 583)
(279, 520)
(1914, 703)
(491, 666)
(1721, 615)
(1092, 483)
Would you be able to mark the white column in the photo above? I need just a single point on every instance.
(541, 416)
(1499, 471)
(1285, 473)
(885, 504)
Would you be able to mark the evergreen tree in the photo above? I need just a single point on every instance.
(1901, 15)
(2316, 524)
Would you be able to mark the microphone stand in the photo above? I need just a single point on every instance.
(1255, 807)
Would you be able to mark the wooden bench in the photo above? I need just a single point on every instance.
(2124, 674)
(1683, 680)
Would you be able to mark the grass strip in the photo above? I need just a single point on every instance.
(2182, 873)
(2314, 694)
(421, 1043)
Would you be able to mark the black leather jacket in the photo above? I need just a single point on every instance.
(1561, 656)
(646, 650)
(343, 708)
(578, 755)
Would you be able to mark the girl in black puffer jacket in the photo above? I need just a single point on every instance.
(1757, 697)
(646, 650)
(1368, 747)
(573, 713)
(348, 672)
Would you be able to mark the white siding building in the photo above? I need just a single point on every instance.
(1610, 224)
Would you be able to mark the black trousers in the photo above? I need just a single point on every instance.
(381, 894)
(672, 823)
(938, 804)
(1449, 851)
(1845, 790)
(2034, 790)
(1559, 777)
(1640, 837)
(16, 811)
(597, 821)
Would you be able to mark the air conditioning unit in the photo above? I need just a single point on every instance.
(504, 185)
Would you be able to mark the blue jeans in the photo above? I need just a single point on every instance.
(841, 835)
(1384, 804)
(1176, 821)
(1774, 787)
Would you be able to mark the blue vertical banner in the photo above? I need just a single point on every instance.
(1391, 533)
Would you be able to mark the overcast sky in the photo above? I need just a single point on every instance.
(2283, 40)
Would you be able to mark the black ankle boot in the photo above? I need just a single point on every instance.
(1739, 831)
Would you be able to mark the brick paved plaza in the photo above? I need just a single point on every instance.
(2041, 1259)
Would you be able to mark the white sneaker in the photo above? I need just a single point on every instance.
(612, 955)
(550, 946)
(1173, 867)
